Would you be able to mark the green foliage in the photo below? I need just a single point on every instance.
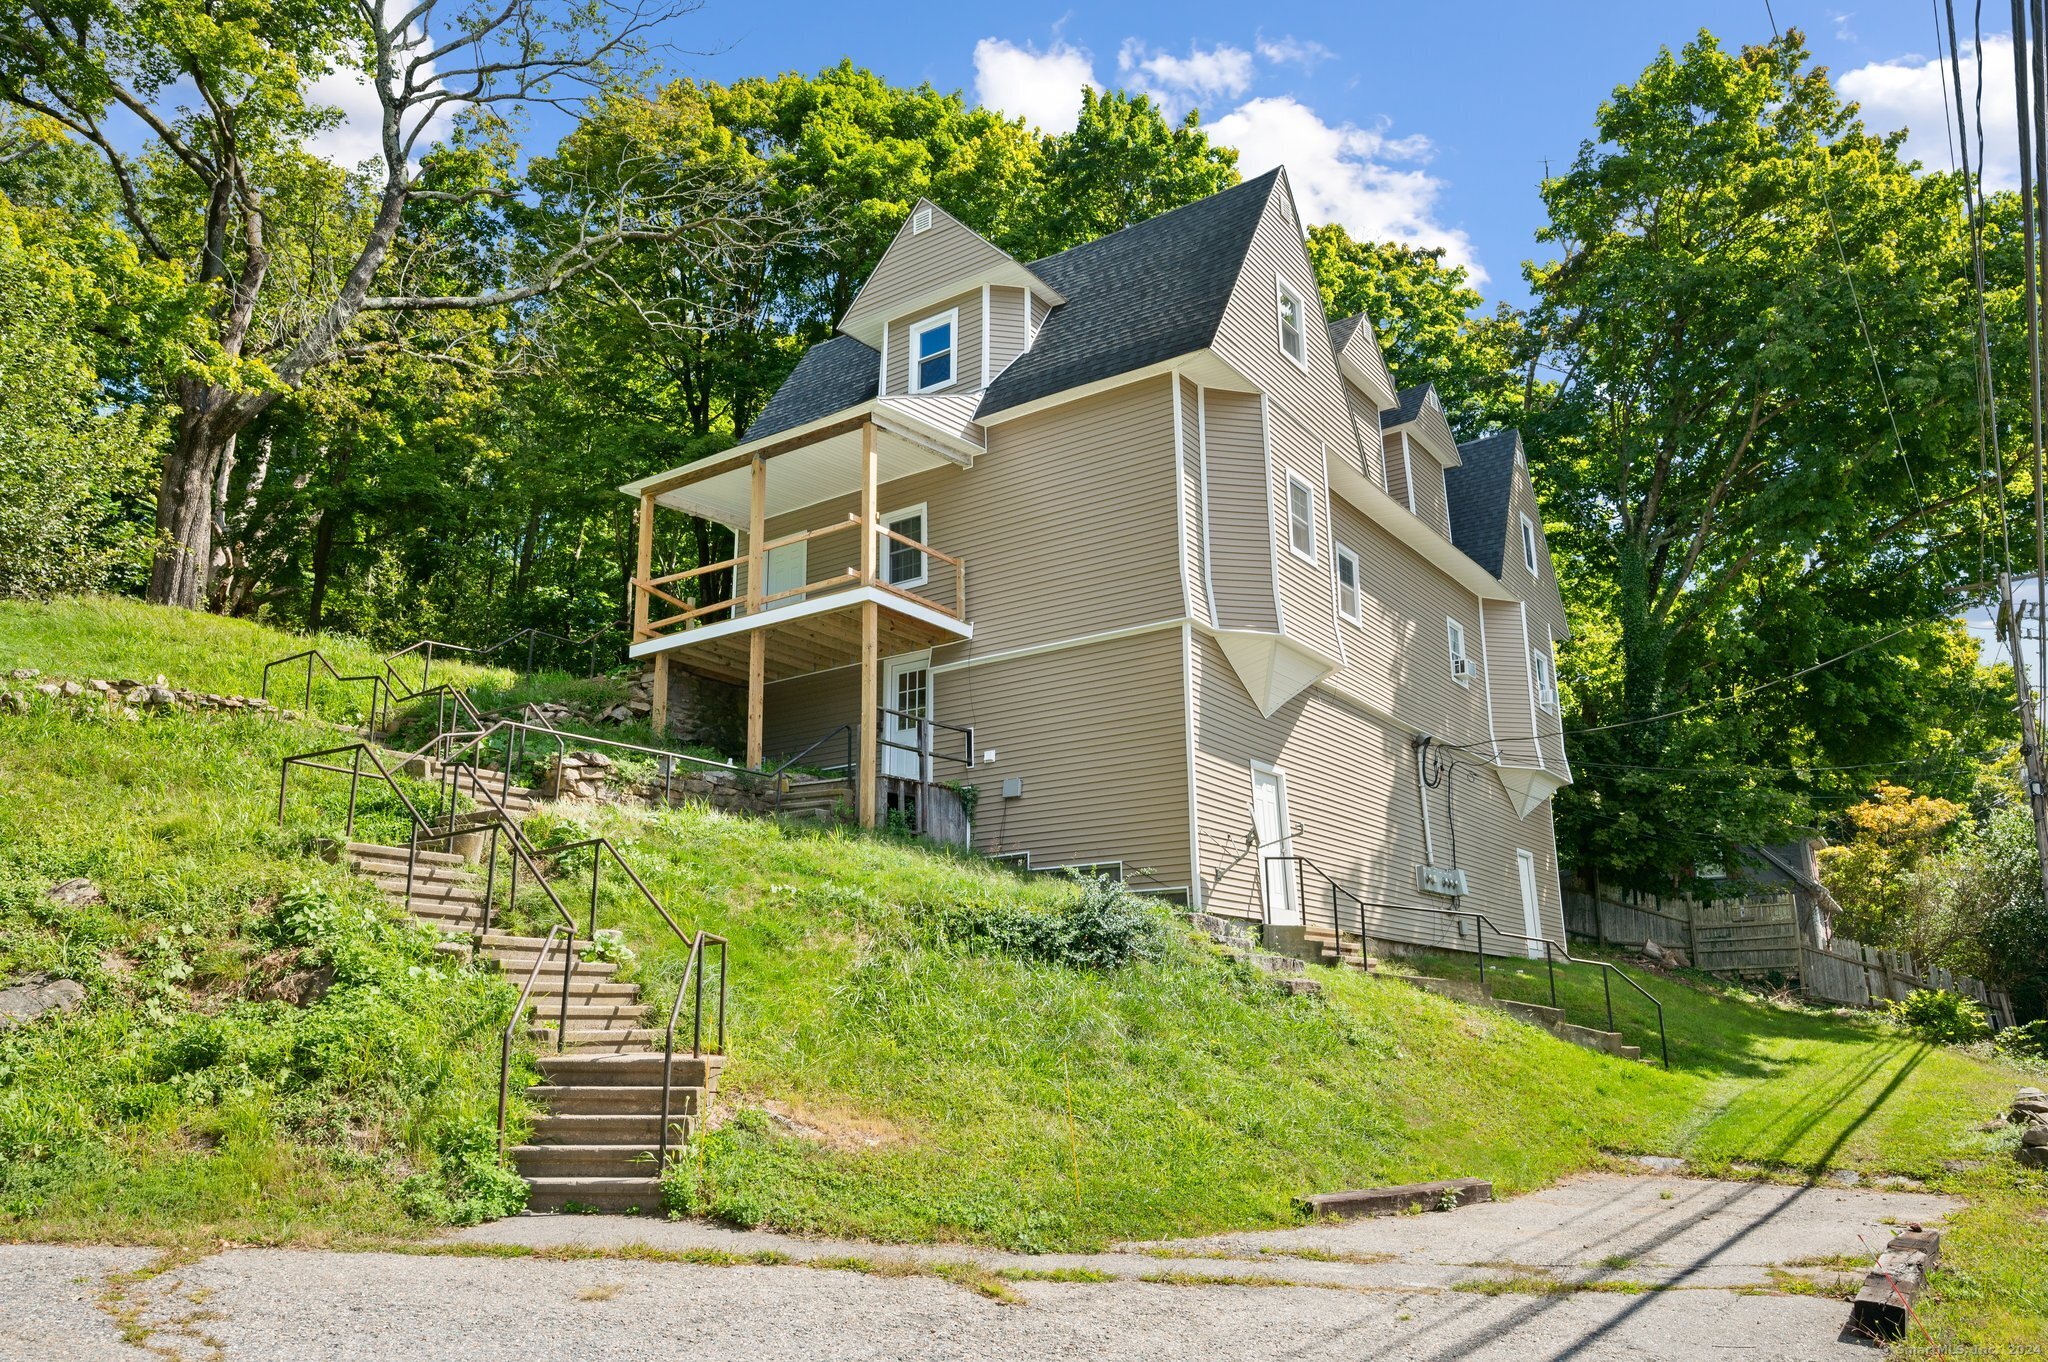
(2028, 1040)
(469, 1183)
(1421, 311)
(1940, 1016)
(1718, 464)
(1104, 927)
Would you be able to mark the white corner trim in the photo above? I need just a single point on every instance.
(1535, 726)
(984, 335)
(1187, 709)
(1180, 500)
(1208, 539)
(1272, 517)
(1492, 738)
(882, 380)
(1407, 474)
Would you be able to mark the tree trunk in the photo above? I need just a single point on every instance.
(323, 566)
(209, 418)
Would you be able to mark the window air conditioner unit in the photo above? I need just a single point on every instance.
(1460, 667)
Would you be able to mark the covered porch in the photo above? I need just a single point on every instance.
(849, 590)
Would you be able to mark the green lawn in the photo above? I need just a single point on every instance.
(893, 1073)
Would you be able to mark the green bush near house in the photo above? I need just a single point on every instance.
(1940, 1016)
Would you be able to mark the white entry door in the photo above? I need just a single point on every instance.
(1269, 825)
(789, 567)
(1532, 903)
(906, 694)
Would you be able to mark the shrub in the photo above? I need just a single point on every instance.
(468, 1182)
(1936, 1014)
(2029, 1040)
(1106, 927)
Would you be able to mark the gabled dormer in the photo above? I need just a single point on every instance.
(1420, 449)
(944, 309)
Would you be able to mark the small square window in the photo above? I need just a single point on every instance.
(931, 353)
(1292, 336)
(1301, 518)
(1543, 674)
(1529, 555)
(1461, 665)
(1347, 585)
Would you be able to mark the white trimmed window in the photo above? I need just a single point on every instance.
(1301, 517)
(1543, 674)
(1529, 556)
(903, 565)
(1347, 585)
(931, 351)
(1293, 339)
(1461, 665)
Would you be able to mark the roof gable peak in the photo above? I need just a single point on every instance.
(933, 256)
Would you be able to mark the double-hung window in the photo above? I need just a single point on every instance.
(1529, 558)
(1292, 336)
(1543, 675)
(1461, 665)
(931, 352)
(1347, 585)
(1301, 517)
(902, 564)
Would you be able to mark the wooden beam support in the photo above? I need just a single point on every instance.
(657, 718)
(757, 641)
(868, 773)
(643, 566)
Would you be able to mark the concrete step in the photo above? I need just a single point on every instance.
(611, 1038)
(634, 1129)
(1606, 1042)
(388, 866)
(610, 1011)
(399, 854)
(429, 891)
(616, 1195)
(583, 987)
(449, 917)
(586, 1161)
(593, 1099)
(519, 963)
(633, 1069)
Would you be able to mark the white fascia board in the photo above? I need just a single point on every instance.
(1202, 366)
(817, 605)
(1407, 527)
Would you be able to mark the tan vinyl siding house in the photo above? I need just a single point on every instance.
(1143, 466)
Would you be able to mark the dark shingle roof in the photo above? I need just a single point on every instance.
(1410, 400)
(832, 376)
(1153, 291)
(1480, 490)
(1341, 329)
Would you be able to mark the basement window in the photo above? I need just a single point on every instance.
(931, 352)
(1347, 585)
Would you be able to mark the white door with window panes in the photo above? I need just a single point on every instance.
(906, 695)
(789, 568)
(1276, 845)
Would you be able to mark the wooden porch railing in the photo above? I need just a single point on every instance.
(663, 590)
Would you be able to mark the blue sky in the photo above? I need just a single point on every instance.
(1424, 122)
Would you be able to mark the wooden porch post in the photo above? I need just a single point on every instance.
(643, 566)
(658, 718)
(868, 772)
(757, 641)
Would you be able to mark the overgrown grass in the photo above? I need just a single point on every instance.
(899, 1069)
(175, 1106)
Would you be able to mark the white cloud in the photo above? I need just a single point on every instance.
(1913, 93)
(359, 136)
(1840, 19)
(1373, 184)
(1293, 51)
(1044, 88)
(1222, 70)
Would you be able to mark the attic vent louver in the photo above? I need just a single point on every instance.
(920, 220)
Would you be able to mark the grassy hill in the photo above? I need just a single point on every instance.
(904, 1065)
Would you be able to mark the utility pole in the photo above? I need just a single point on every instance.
(2012, 613)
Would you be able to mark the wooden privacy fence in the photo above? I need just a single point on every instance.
(1760, 935)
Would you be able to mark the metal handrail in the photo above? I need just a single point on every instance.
(380, 689)
(693, 968)
(519, 1011)
(444, 748)
(1551, 951)
(852, 732)
(531, 634)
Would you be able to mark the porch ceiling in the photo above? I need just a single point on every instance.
(821, 461)
(810, 636)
